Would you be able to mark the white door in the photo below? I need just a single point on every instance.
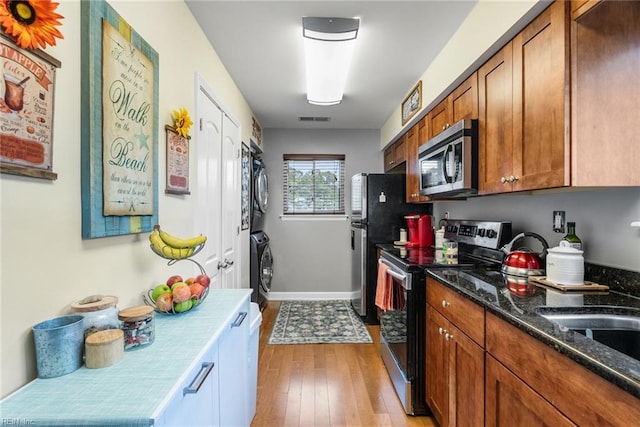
(209, 187)
(230, 203)
(218, 191)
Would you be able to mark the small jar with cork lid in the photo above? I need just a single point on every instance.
(137, 326)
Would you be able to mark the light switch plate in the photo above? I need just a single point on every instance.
(558, 221)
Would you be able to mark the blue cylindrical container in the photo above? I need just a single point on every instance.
(59, 344)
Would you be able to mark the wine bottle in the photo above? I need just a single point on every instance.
(574, 241)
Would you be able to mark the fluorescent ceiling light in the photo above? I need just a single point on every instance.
(328, 47)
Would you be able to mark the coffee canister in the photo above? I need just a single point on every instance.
(59, 344)
(99, 312)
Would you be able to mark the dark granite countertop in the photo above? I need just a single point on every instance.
(519, 305)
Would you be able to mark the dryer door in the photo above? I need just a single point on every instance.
(266, 269)
(261, 190)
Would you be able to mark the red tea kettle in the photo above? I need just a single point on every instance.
(524, 262)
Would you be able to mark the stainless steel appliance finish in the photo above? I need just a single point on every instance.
(259, 193)
(261, 268)
(449, 162)
(377, 213)
(403, 328)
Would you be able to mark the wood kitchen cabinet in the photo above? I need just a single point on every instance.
(462, 103)
(416, 136)
(524, 108)
(395, 154)
(605, 93)
(547, 384)
(511, 402)
(455, 360)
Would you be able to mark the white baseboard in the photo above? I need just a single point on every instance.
(309, 296)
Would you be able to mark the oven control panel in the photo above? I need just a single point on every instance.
(487, 234)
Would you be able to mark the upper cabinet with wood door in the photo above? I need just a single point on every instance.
(524, 108)
(417, 136)
(462, 103)
(395, 155)
(605, 48)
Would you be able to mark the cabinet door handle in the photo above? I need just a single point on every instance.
(503, 180)
(445, 304)
(513, 178)
(448, 337)
(442, 331)
(197, 382)
(239, 319)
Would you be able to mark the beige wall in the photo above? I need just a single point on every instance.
(490, 24)
(45, 264)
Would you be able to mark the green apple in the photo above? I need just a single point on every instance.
(159, 290)
(182, 306)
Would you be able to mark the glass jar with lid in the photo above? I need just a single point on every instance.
(99, 312)
(138, 326)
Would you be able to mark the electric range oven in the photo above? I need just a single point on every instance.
(402, 329)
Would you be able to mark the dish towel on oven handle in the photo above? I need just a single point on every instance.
(384, 289)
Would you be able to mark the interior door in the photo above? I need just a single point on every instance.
(209, 185)
(230, 202)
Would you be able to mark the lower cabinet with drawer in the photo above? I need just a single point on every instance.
(194, 374)
(455, 357)
(536, 381)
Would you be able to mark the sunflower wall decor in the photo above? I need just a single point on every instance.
(31, 22)
(182, 122)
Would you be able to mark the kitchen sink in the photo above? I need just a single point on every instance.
(617, 328)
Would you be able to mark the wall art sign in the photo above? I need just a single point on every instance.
(27, 83)
(177, 162)
(119, 126)
(412, 103)
(244, 182)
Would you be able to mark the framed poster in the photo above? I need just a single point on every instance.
(412, 103)
(26, 110)
(244, 182)
(177, 162)
(119, 125)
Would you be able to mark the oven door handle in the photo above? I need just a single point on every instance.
(405, 279)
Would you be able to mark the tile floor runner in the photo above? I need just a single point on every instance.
(316, 322)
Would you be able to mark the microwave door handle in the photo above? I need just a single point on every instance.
(448, 178)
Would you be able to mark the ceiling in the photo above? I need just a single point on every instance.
(260, 43)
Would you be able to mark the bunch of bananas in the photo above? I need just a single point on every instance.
(168, 246)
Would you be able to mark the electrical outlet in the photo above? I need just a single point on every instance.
(558, 221)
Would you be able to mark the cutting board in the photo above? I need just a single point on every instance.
(585, 287)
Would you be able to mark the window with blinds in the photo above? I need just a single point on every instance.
(313, 184)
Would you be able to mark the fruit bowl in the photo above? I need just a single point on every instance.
(176, 308)
(167, 252)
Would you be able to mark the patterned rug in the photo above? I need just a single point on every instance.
(318, 322)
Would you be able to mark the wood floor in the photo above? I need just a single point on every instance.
(325, 384)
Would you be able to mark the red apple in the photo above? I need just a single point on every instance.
(204, 280)
(181, 292)
(196, 290)
(173, 279)
(190, 280)
(164, 302)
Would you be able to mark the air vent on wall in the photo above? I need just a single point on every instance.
(314, 119)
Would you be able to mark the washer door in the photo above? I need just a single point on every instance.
(266, 269)
(261, 190)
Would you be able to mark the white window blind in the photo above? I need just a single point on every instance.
(313, 184)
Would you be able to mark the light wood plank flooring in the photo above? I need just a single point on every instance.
(325, 384)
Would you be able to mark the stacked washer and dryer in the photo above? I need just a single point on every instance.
(261, 261)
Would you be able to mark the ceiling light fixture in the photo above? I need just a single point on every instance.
(328, 47)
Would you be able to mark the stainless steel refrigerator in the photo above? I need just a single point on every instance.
(377, 214)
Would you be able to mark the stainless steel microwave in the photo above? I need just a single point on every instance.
(449, 162)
